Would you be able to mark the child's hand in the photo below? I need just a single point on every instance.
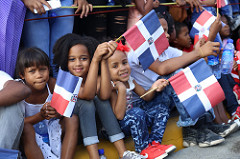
(200, 43)
(119, 86)
(160, 84)
(43, 110)
(209, 48)
(49, 112)
(101, 50)
(112, 45)
(36, 4)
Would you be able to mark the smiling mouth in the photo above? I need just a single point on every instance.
(78, 69)
(124, 74)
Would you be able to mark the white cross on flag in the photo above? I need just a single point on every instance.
(65, 93)
(147, 39)
(197, 88)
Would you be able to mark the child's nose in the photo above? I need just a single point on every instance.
(79, 62)
(39, 74)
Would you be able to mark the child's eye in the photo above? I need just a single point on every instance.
(114, 66)
(125, 62)
(31, 71)
(83, 59)
(71, 59)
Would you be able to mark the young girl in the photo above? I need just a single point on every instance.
(77, 55)
(42, 130)
(135, 121)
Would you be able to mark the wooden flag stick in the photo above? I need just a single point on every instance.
(151, 90)
(118, 38)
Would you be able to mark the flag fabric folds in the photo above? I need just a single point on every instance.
(222, 3)
(147, 39)
(202, 26)
(65, 93)
(197, 88)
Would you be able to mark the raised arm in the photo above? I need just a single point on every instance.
(13, 92)
(89, 87)
(171, 65)
(118, 100)
(105, 86)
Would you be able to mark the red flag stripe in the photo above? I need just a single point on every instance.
(180, 83)
(212, 96)
(59, 103)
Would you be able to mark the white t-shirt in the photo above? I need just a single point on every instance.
(148, 77)
(4, 77)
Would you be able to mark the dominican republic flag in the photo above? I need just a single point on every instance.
(65, 93)
(202, 25)
(222, 3)
(197, 88)
(147, 39)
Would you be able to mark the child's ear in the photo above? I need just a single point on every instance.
(21, 76)
(175, 41)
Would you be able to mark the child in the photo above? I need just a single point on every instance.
(182, 40)
(135, 121)
(11, 111)
(33, 68)
(227, 81)
(167, 63)
(78, 56)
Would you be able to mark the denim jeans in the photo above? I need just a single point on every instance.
(144, 115)
(45, 32)
(86, 111)
(227, 83)
(11, 125)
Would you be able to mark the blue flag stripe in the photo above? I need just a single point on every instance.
(67, 80)
(194, 107)
(151, 22)
(200, 70)
(193, 32)
(146, 59)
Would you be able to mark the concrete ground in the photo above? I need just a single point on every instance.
(229, 149)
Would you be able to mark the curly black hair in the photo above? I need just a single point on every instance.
(66, 42)
(30, 57)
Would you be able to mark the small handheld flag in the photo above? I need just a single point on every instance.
(202, 26)
(65, 93)
(222, 3)
(197, 88)
(147, 39)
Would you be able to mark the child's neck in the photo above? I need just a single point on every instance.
(38, 96)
